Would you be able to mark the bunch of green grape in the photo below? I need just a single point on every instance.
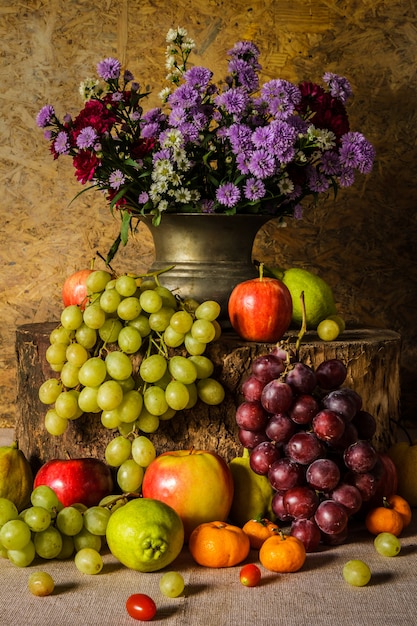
(48, 530)
(134, 354)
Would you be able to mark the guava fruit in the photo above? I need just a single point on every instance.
(16, 478)
(145, 534)
(318, 295)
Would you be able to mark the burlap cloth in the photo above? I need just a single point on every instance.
(315, 596)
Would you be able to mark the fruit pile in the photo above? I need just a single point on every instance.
(133, 353)
(311, 438)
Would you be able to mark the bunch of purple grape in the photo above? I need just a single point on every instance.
(311, 437)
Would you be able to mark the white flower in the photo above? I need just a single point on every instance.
(182, 195)
(286, 185)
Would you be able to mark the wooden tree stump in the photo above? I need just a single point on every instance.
(371, 356)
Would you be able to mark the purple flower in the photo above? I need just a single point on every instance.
(185, 96)
(61, 143)
(254, 189)
(339, 86)
(143, 198)
(317, 182)
(45, 116)
(298, 212)
(330, 163)
(228, 194)
(86, 138)
(109, 69)
(281, 97)
(116, 179)
(207, 206)
(347, 178)
(262, 163)
(128, 76)
(233, 100)
(245, 75)
(356, 152)
(198, 77)
(240, 137)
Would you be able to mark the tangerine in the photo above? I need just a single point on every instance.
(218, 544)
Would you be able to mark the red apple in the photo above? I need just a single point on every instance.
(260, 309)
(74, 290)
(85, 480)
(197, 484)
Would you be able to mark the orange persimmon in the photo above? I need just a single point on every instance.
(258, 530)
(218, 544)
(282, 553)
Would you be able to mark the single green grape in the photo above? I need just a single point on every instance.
(110, 330)
(110, 419)
(8, 511)
(117, 451)
(387, 544)
(37, 518)
(159, 321)
(130, 407)
(76, 354)
(71, 317)
(118, 365)
(86, 337)
(69, 521)
(56, 353)
(110, 300)
(183, 369)
(126, 285)
(203, 365)
(23, 557)
(147, 422)
(41, 584)
(356, 573)
(208, 310)
(87, 400)
(97, 281)
(61, 335)
(94, 316)
(339, 321)
(48, 543)
(93, 372)
(49, 390)
(168, 298)
(96, 519)
(129, 308)
(143, 450)
(69, 375)
(172, 338)
(88, 561)
(67, 549)
(328, 330)
(203, 330)
(210, 391)
(109, 395)
(54, 424)
(194, 346)
(46, 497)
(66, 405)
(15, 534)
(171, 584)
(153, 368)
(154, 400)
(177, 395)
(130, 476)
(85, 539)
(181, 322)
(129, 339)
(150, 301)
(141, 323)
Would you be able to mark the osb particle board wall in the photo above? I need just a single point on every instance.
(364, 244)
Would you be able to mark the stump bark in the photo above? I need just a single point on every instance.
(371, 355)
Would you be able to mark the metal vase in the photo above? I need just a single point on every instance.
(211, 254)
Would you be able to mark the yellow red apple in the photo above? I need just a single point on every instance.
(74, 290)
(197, 484)
(260, 309)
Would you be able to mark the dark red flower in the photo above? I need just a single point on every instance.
(95, 114)
(326, 111)
(85, 164)
(142, 148)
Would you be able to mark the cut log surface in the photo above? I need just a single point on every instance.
(371, 356)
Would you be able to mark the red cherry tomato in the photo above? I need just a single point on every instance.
(141, 607)
(250, 575)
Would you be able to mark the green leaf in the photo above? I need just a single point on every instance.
(125, 227)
